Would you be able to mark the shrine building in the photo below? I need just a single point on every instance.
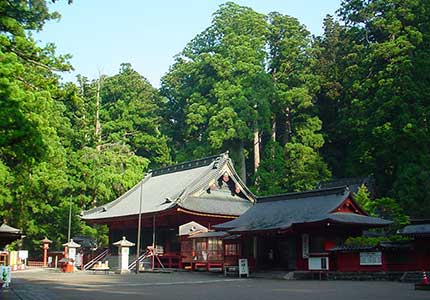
(296, 231)
(207, 191)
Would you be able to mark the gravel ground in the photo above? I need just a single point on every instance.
(53, 285)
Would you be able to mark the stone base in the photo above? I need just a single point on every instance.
(422, 286)
(126, 271)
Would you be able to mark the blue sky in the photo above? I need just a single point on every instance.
(102, 34)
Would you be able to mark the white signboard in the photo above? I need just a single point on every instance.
(23, 254)
(318, 263)
(72, 253)
(370, 258)
(243, 267)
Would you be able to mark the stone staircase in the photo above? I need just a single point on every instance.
(113, 261)
(358, 276)
(414, 277)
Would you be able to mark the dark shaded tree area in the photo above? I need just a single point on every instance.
(292, 109)
(244, 83)
(50, 151)
(374, 100)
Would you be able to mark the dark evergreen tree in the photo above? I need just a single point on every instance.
(218, 89)
(384, 105)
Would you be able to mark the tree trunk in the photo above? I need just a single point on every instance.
(273, 136)
(98, 126)
(287, 130)
(242, 163)
(257, 140)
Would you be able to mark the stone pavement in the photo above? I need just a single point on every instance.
(50, 285)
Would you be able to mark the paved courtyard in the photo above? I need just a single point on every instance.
(46, 285)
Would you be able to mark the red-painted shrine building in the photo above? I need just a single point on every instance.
(412, 254)
(207, 191)
(297, 231)
(180, 206)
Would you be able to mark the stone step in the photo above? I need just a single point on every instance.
(414, 277)
(368, 276)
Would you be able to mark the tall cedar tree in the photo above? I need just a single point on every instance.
(218, 89)
(32, 158)
(130, 115)
(295, 124)
(383, 108)
(48, 154)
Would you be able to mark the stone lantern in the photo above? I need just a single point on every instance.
(123, 254)
(45, 246)
(70, 251)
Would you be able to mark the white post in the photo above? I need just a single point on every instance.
(138, 227)
(124, 258)
(71, 252)
(123, 255)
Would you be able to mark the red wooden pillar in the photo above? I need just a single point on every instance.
(45, 246)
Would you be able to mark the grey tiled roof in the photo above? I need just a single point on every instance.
(415, 229)
(352, 248)
(8, 234)
(8, 229)
(183, 185)
(208, 234)
(217, 202)
(352, 183)
(283, 211)
(357, 219)
(381, 246)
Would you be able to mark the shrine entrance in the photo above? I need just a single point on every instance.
(273, 253)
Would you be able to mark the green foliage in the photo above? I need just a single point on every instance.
(98, 177)
(356, 98)
(270, 177)
(6, 181)
(305, 168)
(31, 154)
(362, 197)
(49, 153)
(130, 114)
(232, 80)
(386, 208)
(296, 125)
(218, 89)
(332, 57)
(377, 116)
(18, 16)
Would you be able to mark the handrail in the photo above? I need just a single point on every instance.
(148, 253)
(132, 265)
(95, 259)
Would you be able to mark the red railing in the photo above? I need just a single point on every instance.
(34, 263)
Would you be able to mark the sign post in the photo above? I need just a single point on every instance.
(5, 276)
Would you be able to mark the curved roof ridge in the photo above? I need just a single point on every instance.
(304, 194)
(246, 190)
(224, 161)
(187, 165)
(205, 179)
